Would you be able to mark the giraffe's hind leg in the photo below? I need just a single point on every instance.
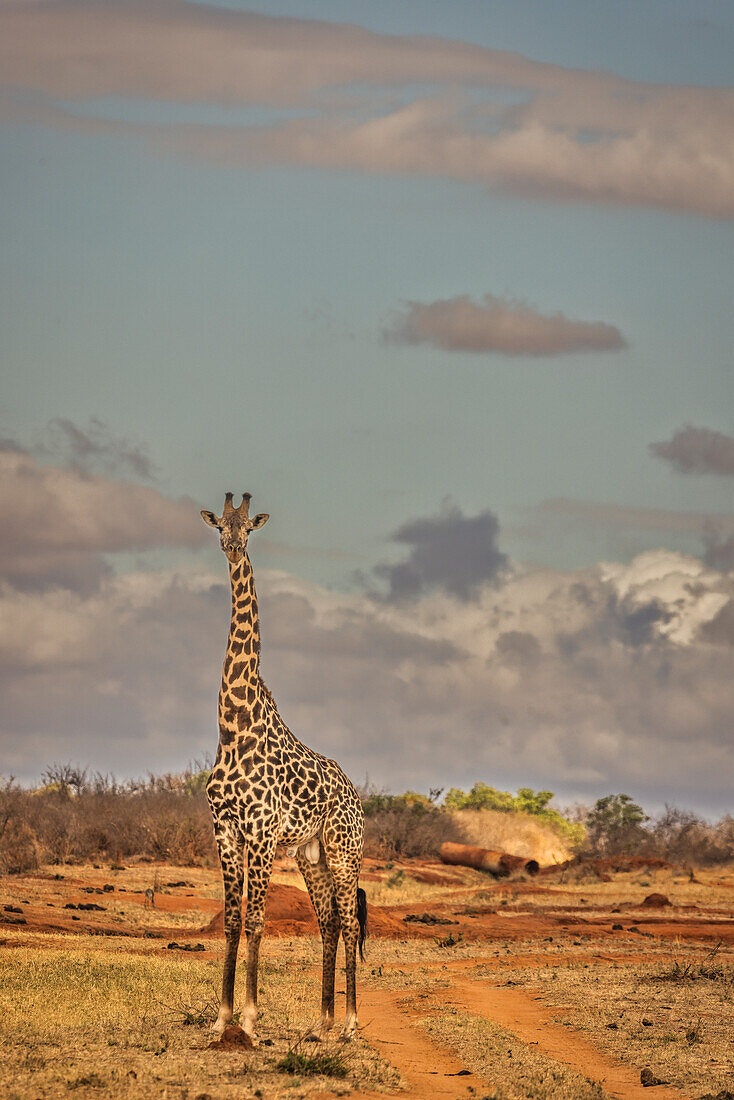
(345, 875)
(321, 891)
(231, 857)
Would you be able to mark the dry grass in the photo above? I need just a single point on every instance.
(103, 1023)
(707, 889)
(674, 1015)
(514, 1070)
(400, 889)
(101, 1017)
(519, 834)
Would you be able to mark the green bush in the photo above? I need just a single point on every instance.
(526, 801)
(616, 825)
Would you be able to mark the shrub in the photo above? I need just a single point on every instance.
(615, 825)
(526, 801)
(683, 837)
(326, 1064)
(405, 825)
(71, 817)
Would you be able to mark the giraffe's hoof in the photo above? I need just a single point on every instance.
(217, 1029)
(349, 1031)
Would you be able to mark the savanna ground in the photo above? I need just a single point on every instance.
(563, 985)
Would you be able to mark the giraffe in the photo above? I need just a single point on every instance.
(266, 788)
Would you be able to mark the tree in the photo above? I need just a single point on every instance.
(615, 824)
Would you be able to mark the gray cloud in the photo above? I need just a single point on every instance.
(537, 681)
(495, 324)
(697, 451)
(519, 647)
(715, 530)
(719, 551)
(61, 522)
(450, 551)
(95, 449)
(655, 145)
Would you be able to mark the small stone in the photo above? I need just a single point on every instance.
(617, 928)
(646, 1022)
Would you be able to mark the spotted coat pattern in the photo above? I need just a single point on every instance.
(268, 788)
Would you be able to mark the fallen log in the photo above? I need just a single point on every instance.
(499, 864)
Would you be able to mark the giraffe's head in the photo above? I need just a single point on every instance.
(234, 526)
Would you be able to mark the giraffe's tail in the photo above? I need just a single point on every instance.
(362, 918)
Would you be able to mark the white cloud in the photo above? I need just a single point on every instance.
(614, 677)
(593, 680)
(575, 136)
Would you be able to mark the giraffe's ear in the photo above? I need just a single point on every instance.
(260, 520)
(211, 519)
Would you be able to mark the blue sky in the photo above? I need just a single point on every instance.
(221, 290)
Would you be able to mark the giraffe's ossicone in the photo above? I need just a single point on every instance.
(268, 788)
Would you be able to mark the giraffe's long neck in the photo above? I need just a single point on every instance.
(240, 675)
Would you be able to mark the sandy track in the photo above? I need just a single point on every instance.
(390, 1026)
(534, 1023)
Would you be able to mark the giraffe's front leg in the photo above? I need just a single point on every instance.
(231, 853)
(260, 855)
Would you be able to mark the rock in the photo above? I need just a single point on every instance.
(656, 901)
(233, 1038)
(648, 1079)
(646, 1022)
(427, 918)
(617, 928)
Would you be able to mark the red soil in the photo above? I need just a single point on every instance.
(288, 912)
(233, 1038)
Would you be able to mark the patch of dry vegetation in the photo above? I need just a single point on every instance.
(514, 1070)
(71, 819)
(520, 834)
(103, 1023)
(674, 1016)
